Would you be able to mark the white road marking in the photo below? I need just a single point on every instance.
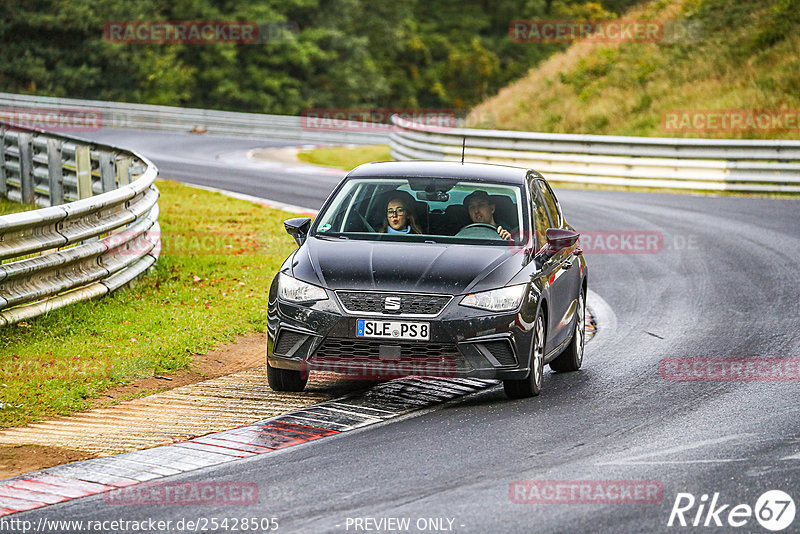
(640, 459)
(677, 462)
(604, 316)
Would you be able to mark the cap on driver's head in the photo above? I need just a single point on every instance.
(477, 195)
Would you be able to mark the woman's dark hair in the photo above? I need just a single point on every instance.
(410, 212)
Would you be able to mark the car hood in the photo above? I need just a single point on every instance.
(392, 266)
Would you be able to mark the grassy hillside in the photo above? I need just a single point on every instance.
(746, 57)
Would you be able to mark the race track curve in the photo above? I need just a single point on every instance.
(724, 285)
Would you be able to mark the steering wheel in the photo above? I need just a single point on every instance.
(480, 230)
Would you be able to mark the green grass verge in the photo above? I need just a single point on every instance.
(7, 207)
(218, 258)
(347, 158)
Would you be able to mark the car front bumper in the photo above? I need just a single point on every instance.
(464, 342)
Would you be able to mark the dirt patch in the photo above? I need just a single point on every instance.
(15, 460)
(244, 353)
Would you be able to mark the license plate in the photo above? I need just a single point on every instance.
(393, 329)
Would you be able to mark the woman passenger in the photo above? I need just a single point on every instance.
(400, 219)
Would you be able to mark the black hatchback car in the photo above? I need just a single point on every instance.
(435, 269)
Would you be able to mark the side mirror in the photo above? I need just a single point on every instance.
(559, 239)
(298, 228)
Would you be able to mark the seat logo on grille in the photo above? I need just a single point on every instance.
(391, 303)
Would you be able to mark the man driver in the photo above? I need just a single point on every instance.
(481, 210)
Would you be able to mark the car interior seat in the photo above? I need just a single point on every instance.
(505, 212)
(456, 217)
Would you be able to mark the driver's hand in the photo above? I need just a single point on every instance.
(505, 234)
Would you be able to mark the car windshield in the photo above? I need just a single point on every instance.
(425, 209)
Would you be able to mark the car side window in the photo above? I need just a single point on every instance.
(540, 219)
(552, 205)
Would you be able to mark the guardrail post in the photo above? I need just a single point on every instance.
(25, 141)
(108, 175)
(3, 177)
(123, 171)
(55, 170)
(83, 171)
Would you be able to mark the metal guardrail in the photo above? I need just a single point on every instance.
(175, 119)
(104, 236)
(696, 164)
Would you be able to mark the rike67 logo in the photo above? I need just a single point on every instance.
(774, 510)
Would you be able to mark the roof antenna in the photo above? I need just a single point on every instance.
(463, 146)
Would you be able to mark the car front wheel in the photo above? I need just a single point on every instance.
(285, 379)
(531, 386)
(572, 357)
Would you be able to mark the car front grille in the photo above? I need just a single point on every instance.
(353, 348)
(342, 349)
(410, 303)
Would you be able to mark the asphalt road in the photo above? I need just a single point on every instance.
(724, 286)
(221, 162)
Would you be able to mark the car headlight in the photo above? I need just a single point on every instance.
(504, 299)
(295, 290)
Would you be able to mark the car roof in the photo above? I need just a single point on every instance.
(442, 169)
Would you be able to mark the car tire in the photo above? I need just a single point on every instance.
(531, 386)
(572, 357)
(285, 379)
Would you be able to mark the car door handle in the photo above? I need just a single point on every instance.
(567, 264)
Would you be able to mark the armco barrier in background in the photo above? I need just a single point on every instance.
(692, 164)
(54, 120)
(174, 119)
(70, 250)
